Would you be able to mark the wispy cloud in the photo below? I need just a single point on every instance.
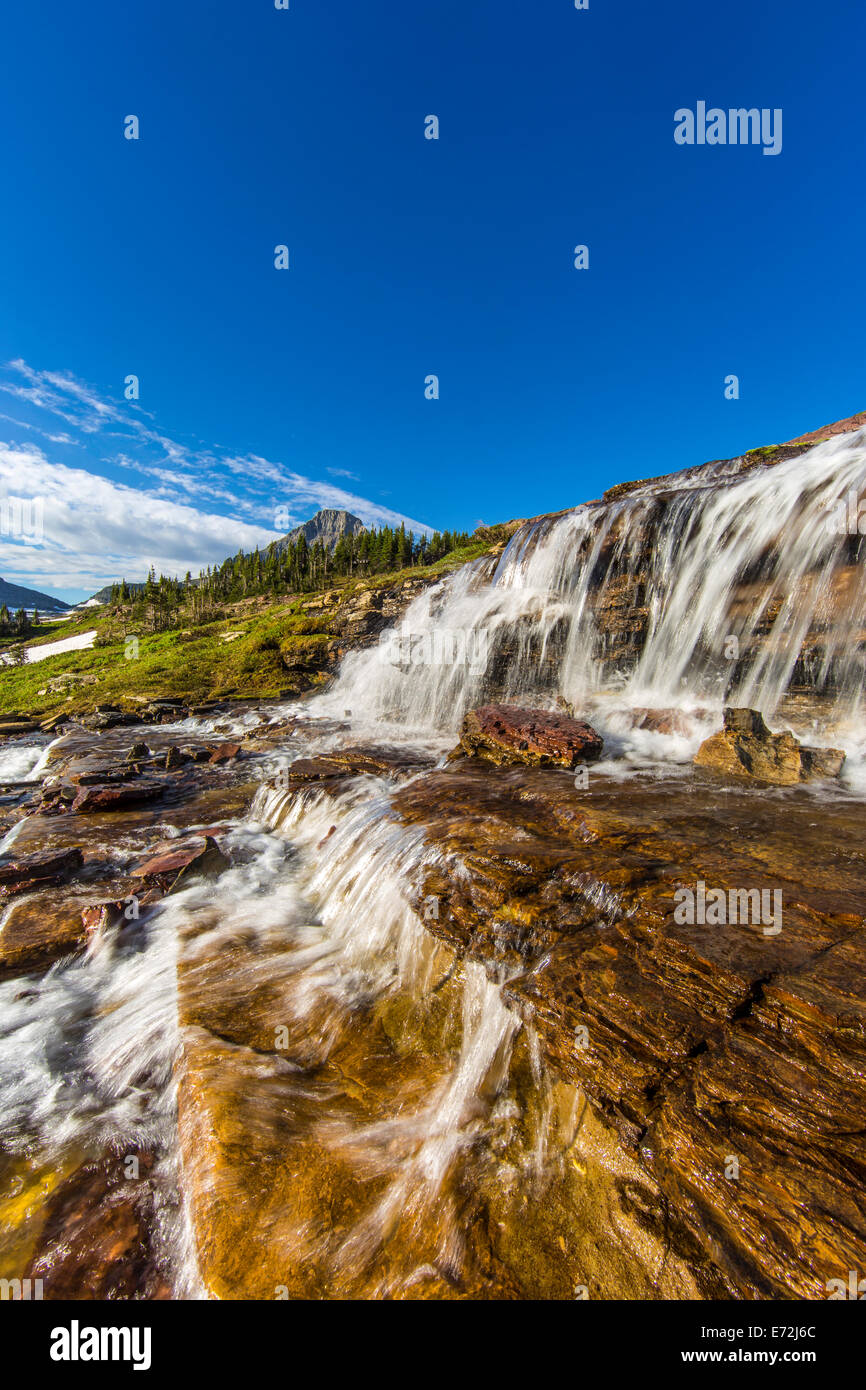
(185, 505)
(96, 531)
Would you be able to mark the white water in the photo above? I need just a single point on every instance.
(20, 762)
(692, 546)
(87, 1050)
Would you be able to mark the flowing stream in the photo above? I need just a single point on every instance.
(748, 591)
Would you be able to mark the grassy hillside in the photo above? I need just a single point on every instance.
(256, 648)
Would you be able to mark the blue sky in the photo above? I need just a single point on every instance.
(409, 257)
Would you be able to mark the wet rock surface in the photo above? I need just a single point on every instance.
(510, 734)
(37, 931)
(47, 867)
(695, 1041)
(332, 769)
(97, 1241)
(177, 867)
(108, 797)
(675, 1044)
(745, 747)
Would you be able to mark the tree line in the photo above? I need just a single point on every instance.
(21, 625)
(293, 567)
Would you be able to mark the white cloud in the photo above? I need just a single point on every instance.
(183, 471)
(97, 531)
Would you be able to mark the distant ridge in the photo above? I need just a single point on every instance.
(16, 596)
(104, 595)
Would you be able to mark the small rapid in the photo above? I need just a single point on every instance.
(301, 1006)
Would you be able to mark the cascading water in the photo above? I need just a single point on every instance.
(719, 585)
(720, 577)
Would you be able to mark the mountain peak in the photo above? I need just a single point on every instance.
(328, 526)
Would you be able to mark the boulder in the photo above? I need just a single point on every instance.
(745, 747)
(509, 734)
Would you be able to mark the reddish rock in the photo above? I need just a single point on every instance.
(113, 797)
(38, 870)
(196, 857)
(102, 917)
(661, 721)
(103, 776)
(509, 734)
(55, 800)
(224, 753)
(329, 770)
(98, 1241)
(99, 917)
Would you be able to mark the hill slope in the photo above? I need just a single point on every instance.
(16, 596)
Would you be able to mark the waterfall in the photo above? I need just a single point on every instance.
(738, 582)
(720, 584)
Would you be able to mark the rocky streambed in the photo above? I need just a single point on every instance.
(290, 1010)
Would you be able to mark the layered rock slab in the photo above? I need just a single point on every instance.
(697, 1043)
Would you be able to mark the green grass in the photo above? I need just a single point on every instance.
(194, 665)
(48, 631)
(769, 451)
(191, 661)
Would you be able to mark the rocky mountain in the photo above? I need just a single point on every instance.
(16, 596)
(328, 526)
